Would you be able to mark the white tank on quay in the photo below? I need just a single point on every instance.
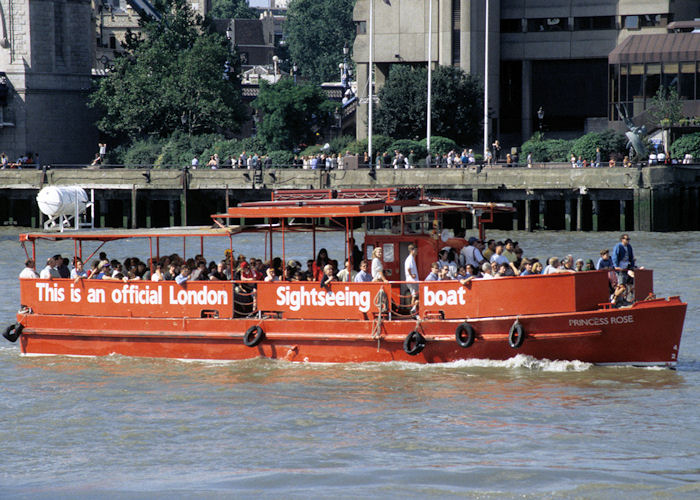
(61, 203)
(62, 200)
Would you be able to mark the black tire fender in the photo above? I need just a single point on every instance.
(253, 336)
(516, 335)
(13, 332)
(464, 334)
(414, 343)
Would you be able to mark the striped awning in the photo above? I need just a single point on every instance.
(665, 47)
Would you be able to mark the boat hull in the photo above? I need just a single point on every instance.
(647, 333)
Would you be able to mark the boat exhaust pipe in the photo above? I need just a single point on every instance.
(13, 332)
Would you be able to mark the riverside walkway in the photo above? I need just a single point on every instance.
(548, 196)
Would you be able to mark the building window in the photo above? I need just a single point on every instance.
(645, 21)
(686, 80)
(112, 42)
(511, 26)
(456, 32)
(361, 27)
(548, 24)
(594, 23)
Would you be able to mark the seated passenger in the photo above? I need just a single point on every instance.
(220, 274)
(498, 256)
(158, 273)
(589, 265)
(78, 271)
(444, 274)
(537, 267)
(328, 276)
(605, 262)
(434, 272)
(270, 275)
(347, 273)
(486, 272)
(184, 275)
(578, 267)
(363, 275)
(28, 271)
(525, 268)
(319, 264)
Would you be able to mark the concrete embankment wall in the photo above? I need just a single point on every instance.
(656, 198)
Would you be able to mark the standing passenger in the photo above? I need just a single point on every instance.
(378, 266)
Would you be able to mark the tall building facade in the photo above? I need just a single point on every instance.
(543, 54)
(46, 58)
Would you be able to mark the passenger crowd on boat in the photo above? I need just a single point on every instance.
(489, 259)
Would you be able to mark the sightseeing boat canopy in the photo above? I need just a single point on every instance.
(559, 316)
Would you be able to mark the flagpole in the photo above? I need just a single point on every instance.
(486, 83)
(430, 72)
(370, 72)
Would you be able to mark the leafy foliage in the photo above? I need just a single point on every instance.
(169, 79)
(610, 143)
(439, 145)
(340, 144)
(405, 146)
(281, 158)
(456, 104)
(666, 106)
(689, 143)
(232, 9)
(546, 149)
(291, 113)
(316, 32)
(143, 152)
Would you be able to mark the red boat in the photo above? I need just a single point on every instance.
(563, 316)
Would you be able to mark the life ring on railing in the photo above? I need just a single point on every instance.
(462, 330)
(13, 332)
(253, 336)
(414, 343)
(516, 335)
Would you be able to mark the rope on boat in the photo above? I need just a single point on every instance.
(380, 301)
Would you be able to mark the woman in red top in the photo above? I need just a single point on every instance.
(319, 264)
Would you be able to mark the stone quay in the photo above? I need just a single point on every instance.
(547, 197)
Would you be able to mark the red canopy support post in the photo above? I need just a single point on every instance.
(284, 255)
(150, 251)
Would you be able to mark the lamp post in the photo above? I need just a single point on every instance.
(275, 62)
(295, 68)
(540, 116)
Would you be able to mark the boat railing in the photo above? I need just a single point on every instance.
(307, 300)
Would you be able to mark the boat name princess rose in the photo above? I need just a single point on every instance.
(133, 294)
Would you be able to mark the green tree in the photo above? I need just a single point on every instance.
(291, 114)
(686, 144)
(316, 32)
(456, 104)
(232, 9)
(666, 106)
(610, 143)
(170, 79)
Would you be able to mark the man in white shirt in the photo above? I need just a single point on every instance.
(28, 271)
(411, 270)
(50, 271)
